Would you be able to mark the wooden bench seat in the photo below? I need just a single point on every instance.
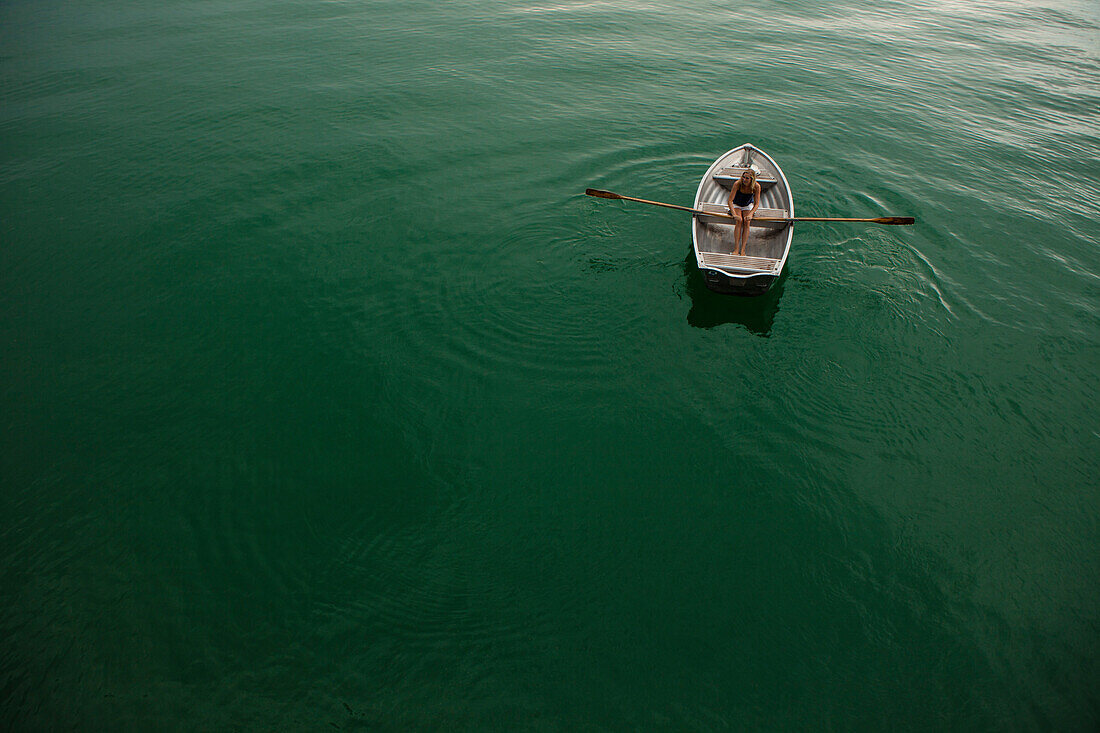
(761, 212)
(740, 263)
(727, 176)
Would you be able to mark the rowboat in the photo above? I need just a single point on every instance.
(769, 242)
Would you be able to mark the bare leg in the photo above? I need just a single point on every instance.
(737, 230)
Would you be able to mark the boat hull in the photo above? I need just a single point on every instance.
(768, 243)
(722, 282)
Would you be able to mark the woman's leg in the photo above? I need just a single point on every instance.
(737, 229)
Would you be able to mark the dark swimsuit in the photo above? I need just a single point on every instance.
(740, 198)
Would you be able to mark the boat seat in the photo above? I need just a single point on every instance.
(740, 263)
(727, 176)
(761, 212)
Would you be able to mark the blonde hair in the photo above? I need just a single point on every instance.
(752, 183)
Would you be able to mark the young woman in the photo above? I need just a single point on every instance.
(743, 202)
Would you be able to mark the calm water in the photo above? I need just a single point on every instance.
(330, 401)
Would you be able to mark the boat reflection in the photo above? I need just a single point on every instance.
(710, 309)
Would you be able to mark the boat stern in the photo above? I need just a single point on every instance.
(722, 282)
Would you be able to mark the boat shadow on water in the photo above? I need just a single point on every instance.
(710, 309)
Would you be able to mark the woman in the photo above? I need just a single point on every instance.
(743, 202)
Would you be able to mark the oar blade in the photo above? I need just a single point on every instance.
(601, 194)
(897, 220)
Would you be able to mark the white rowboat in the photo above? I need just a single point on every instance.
(769, 242)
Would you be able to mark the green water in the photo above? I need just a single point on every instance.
(328, 400)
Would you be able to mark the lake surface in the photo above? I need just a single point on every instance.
(329, 400)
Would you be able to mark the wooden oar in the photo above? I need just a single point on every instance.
(878, 220)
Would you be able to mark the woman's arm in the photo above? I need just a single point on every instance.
(755, 198)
